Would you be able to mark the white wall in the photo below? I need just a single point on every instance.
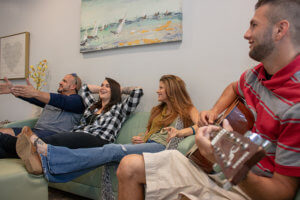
(212, 54)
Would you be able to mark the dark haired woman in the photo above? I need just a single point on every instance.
(62, 164)
(102, 118)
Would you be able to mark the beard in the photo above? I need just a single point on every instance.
(59, 90)
(263, 50)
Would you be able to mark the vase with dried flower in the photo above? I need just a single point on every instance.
(37, 73)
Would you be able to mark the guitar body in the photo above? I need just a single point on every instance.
(240, 119)
(195, 155)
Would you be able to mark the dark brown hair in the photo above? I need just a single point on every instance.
(284, 10)
(115, 97)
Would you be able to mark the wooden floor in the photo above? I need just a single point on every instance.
(55, 194)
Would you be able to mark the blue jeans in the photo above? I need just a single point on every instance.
(63, 164)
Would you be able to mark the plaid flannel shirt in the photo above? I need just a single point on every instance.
(107, 125)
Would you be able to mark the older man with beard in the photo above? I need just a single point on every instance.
(272, 93)
(61, 112)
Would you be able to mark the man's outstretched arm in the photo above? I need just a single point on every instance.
(28, 91)
(5, 88)
(70, 103)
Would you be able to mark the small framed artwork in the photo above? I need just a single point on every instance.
(14, 56)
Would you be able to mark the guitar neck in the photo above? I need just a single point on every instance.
(236, 154)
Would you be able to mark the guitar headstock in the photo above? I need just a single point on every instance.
(235, 154)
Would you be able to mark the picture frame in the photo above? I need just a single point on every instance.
(110, 24)
(14, 56)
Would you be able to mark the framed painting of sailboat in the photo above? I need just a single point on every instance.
(107, 24)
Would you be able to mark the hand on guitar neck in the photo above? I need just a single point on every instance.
(203, 139)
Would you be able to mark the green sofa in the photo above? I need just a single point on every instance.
(90, 184)
(15, 182)
(13, 174)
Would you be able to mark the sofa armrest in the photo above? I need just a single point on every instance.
(186, 144)
(19, 124)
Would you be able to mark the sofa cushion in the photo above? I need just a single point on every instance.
(134, 125)
(89, 178)
(16, 183)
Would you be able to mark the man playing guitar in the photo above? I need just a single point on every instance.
(272, 93)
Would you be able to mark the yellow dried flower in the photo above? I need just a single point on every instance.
(37, 74)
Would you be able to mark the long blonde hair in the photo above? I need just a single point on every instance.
(179, 99)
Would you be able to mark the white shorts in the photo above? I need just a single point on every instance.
(169, 174)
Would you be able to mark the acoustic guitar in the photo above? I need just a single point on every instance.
(235, 152)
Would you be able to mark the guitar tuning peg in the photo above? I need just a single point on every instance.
(217, 149)
(237, 140)
(217, 168)
(248, 134)
(266, 145)
(227, 185)
(227, 164)
(255, 138)
(222, 156)
(245, 146)
(221, 176)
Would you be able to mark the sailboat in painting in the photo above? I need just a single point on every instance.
(84, 39)
(120, 27)
(103, 27)
(95, 32)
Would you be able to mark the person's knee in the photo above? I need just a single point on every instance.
(131, 167)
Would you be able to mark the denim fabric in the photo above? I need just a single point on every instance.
(63, 164)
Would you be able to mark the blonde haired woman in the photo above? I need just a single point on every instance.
(61, 164)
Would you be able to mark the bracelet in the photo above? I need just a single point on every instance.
(194, 132)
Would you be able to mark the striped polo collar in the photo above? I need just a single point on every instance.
(279, 77)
